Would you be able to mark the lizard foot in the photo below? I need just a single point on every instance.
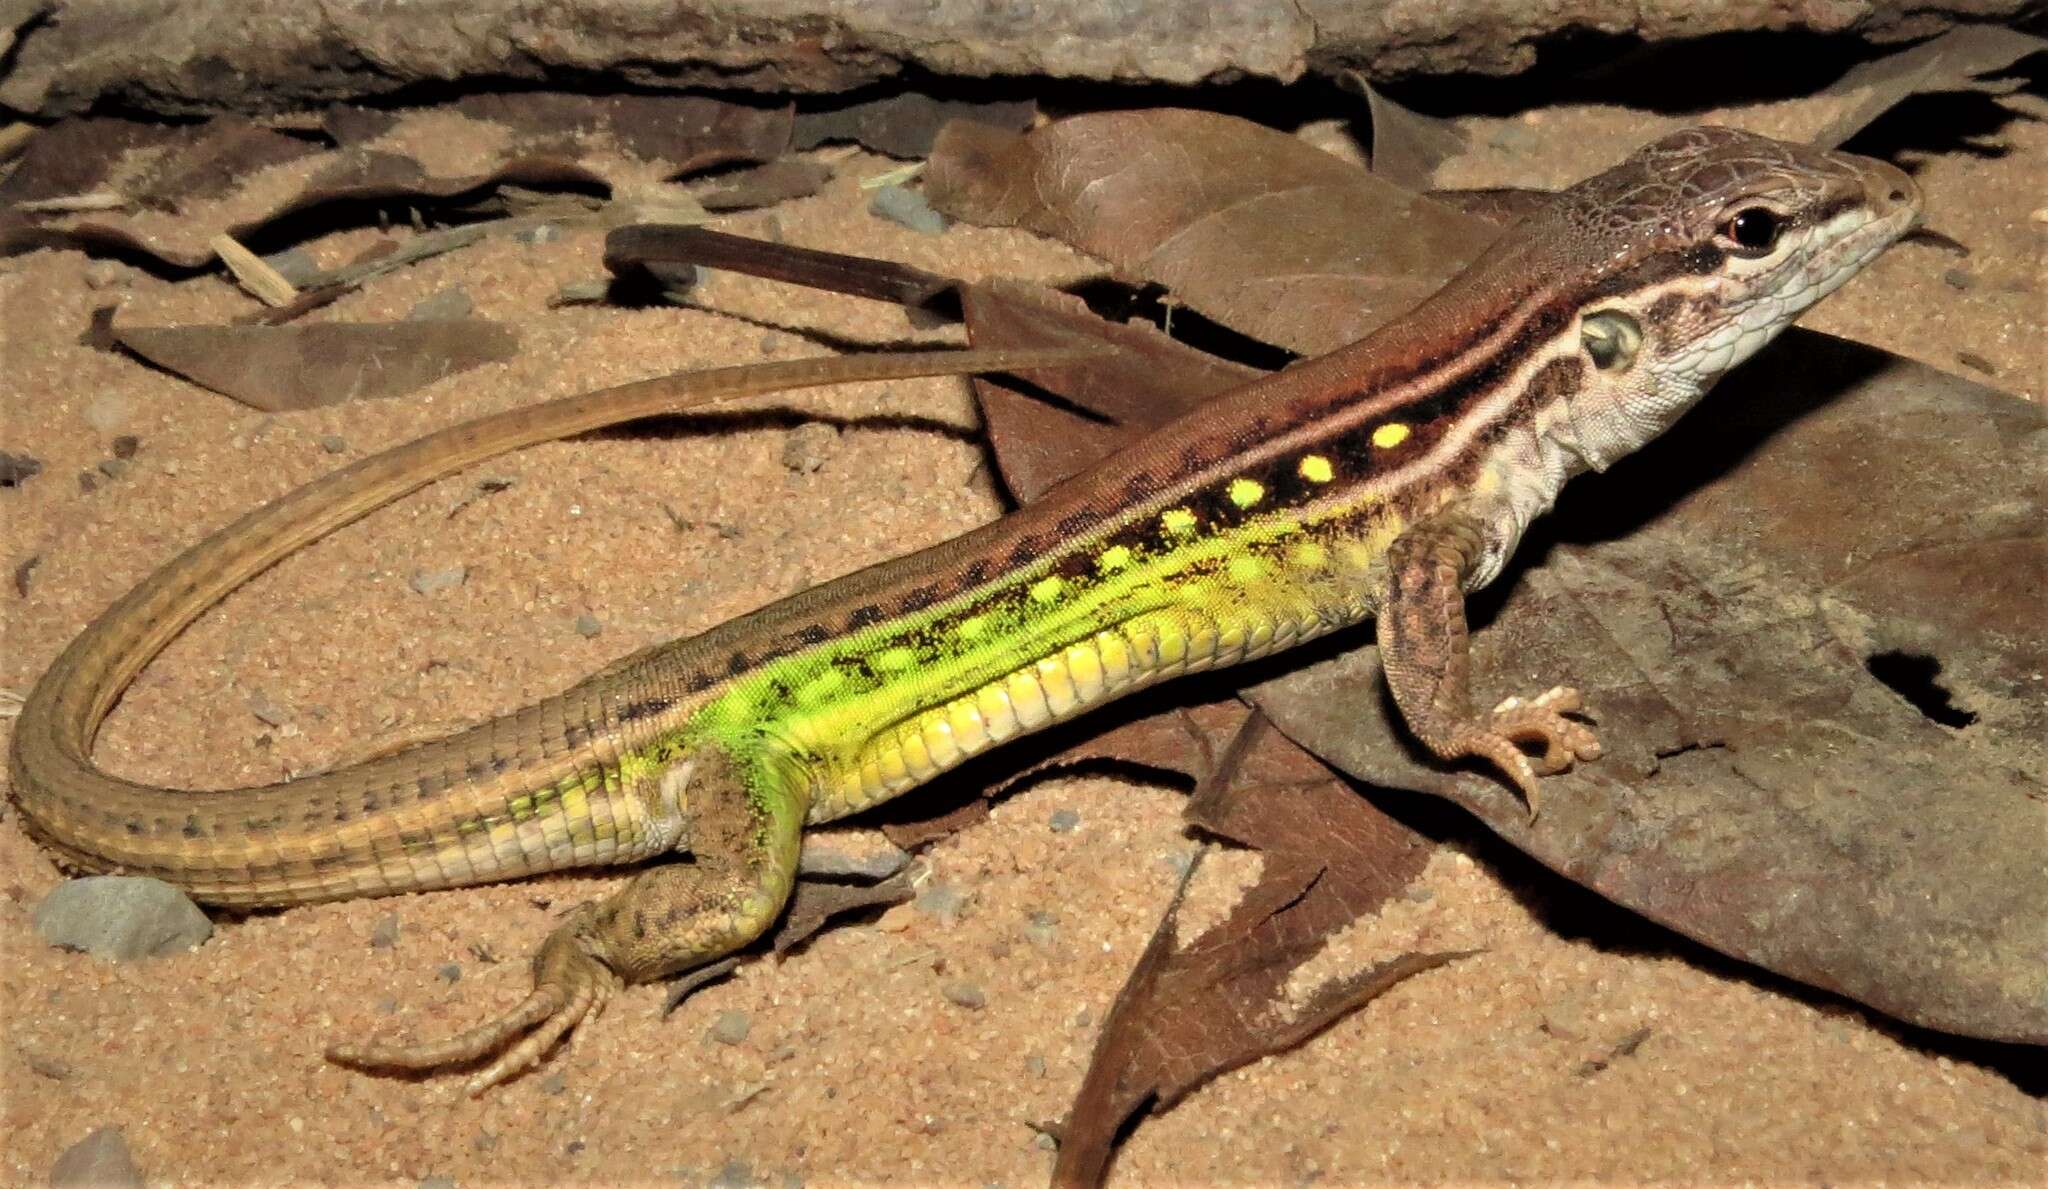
(1540, 720)
(570, 986)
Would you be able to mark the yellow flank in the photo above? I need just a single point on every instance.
(1390, 435)
(1177, 521)
(1246, 569)
(1045, 590)
(1316, 469)
(972, 627)
(1310, 555)
(1114, 558)
(1246, 493)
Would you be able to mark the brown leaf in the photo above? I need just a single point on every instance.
(1406, 146)
(1148, 382)
(816, 901)
(155, 164)
(1773, 785)
(1249, 226)
(765, 185)
(278, 368)
(1221, 1000)
(906, 125)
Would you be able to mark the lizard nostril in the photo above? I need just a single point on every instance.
(1898, 195)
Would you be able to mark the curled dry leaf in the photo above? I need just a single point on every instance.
(905, 125)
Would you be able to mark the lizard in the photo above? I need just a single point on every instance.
(1383, 481)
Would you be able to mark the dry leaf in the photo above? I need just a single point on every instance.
(279, 368)
(1246, 225)
(1195, 1010)
(905, 125)
(1951, 62)
(1741, 603)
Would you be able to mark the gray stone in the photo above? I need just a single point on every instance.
(121, 917)
(448, 304)
(902, 205)
(100, 1160)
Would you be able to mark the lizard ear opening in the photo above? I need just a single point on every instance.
(1612, 339)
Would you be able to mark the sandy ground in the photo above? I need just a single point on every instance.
(854, 1066)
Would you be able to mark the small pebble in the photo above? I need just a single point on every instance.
(1976, 362)
(807, 447)
(965, 994)
(88, 482)
(1065, 821)
(908, 208)
(943, 901)
(384, 934)
(101, 1160)
(295, 265)
(16, 469)
(333, 443)
(114, 468)
(266, 710)
(446, 306)
(589, 626)
(430, 581)
(1043, 929)
(1035, 1065)
(540, 233)
(109, 413)
(554, 1083)
(1958, 278)
(730, 1028)
(818, 859)
(108, 274)
(126, 445)
(451, 971)
(737, 1174)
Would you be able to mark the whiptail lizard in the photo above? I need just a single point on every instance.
(1384, 480)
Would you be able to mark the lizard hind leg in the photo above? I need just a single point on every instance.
(745, 830)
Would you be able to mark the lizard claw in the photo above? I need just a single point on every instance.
(570, 986)
(1539, 720)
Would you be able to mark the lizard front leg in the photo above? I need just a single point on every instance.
(1423, 651)
(744, 835)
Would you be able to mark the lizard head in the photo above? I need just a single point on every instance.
(1693, 253)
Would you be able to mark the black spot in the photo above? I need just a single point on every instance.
(863, 616)
(631, 712)
(192, 829)
(1074, 522)
(975, 574)
(813, 633)
(919, 599)
(133, 826)
(737, 663)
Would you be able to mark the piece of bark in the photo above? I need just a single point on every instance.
(187, 56)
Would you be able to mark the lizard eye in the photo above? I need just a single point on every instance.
(1752, 231)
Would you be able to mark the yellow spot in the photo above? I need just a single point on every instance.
(894, 660)
(1390, 435)
(972, 627)
(1114, 558)
(1045, 590)
(1316, 469)
(1245, 569)
(1310, 556)
(1246, 492)
(1178, 520)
